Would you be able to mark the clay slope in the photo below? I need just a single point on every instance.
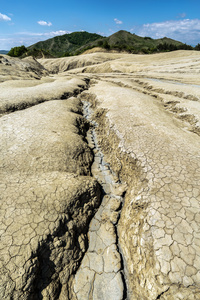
(77, 62)
(15, 68)
(159, 160)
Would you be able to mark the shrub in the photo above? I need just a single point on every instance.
(106, 45)
(197, 47)
(17, 51)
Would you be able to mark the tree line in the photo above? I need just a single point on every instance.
(22, 51)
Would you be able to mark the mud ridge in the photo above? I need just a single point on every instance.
(23, 104)
(181, 113)
(49, 223)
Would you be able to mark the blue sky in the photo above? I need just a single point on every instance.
(25, 23)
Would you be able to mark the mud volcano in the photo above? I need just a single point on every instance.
(100, 177)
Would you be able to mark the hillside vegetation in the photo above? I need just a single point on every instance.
(78, 42)
(124, 40)
(66, 44)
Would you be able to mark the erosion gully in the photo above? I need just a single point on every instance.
(101, 275)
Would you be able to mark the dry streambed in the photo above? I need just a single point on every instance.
(100, 275)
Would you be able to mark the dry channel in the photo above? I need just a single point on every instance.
(101, 276)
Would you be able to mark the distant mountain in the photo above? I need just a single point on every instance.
(77, 42)
(128, 41)
(66, 44)
(4, 51)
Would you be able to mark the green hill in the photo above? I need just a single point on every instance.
(123, 40)
(66, 44)
(77, 42)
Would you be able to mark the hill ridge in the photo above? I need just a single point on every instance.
(76, 43)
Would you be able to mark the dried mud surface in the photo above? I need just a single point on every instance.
(147, 112)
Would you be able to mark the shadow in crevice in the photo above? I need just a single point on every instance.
(45, 272)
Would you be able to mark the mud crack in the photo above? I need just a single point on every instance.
(101, 275)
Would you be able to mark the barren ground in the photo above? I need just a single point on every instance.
(147, 114)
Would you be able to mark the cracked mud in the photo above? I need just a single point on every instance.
(100, 274)
(55, 244)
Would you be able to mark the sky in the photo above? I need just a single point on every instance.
(25, 23)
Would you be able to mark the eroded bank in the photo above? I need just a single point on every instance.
(149, 152)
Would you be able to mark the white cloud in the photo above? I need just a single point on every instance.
(42, 34)
(51, 33)
(44, 23)
(118, 22)
(4, 18)
(186, 30)
(27, 38)
(58, 32)
(101, 33)
(183, 15)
